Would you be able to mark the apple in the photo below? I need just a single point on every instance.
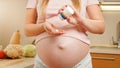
(2, 54)
(29, 50)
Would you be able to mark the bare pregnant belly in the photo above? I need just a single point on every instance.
(61, 52)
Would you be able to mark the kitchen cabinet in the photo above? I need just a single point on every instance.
(102, 60)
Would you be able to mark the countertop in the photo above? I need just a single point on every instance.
(28, 62)
(110, 49)
(17, 63)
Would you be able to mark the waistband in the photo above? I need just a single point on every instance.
(85, 60)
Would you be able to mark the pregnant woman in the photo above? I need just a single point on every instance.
(63, 43)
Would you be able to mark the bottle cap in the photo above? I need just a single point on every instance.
(68, 11)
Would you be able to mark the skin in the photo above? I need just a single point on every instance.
(93, 24)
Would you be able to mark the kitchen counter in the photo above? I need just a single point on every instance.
(17, 63)
(105, 49)
(29, 62)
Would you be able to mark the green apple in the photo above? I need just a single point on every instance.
(29, 50)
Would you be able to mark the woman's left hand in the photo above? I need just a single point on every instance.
(73, 19)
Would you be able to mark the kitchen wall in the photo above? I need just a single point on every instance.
(12, 17)
(112, 19)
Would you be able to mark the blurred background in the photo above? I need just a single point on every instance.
(12, 18)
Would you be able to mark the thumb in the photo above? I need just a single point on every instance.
(76, 14)
(68, 19)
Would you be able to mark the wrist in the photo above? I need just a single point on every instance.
(44, 26)
(81, 20)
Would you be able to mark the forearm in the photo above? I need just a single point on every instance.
(34, 29)
(93, 26)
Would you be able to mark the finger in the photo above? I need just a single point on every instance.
(60, 11)
(53, 31)
(60, 31)
(49, 27)
(62, 8)
(72, 20)
(68, 19)
(57, 31)
(76, 13)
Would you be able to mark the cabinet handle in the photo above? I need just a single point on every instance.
(103, 58)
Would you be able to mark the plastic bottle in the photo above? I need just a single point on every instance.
(68, 11)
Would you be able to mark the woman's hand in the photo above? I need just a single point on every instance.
(93, 24)
(51, 29)
(73, 19)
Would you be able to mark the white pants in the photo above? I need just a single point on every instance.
(84, 63)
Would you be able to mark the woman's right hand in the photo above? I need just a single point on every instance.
(51, 29)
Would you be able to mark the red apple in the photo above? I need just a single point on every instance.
(2, 54)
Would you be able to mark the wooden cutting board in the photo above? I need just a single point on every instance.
(16, 63)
